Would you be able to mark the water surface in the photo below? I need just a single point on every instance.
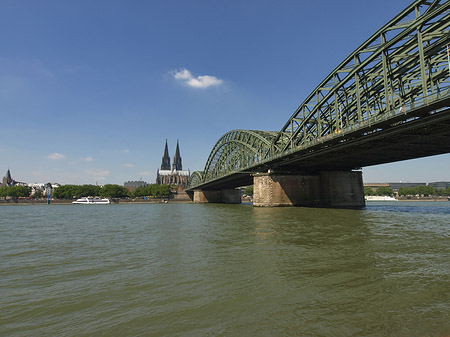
(225, 270)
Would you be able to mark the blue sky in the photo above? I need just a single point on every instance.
(90, 90)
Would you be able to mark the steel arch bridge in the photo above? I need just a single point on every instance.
(387, 101)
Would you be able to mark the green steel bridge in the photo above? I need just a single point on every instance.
(387, 101)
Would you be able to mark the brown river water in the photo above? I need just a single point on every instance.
(225, 270)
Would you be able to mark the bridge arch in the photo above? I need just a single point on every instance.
(237, 150)
(196, 178)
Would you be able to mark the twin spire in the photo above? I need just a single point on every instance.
(165, 165)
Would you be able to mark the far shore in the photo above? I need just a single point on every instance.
(423, 199)
(69, 202)
(43, 201)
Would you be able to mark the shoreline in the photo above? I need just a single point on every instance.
(11, 202)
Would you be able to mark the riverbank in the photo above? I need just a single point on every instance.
(69, 202)
(440, 198)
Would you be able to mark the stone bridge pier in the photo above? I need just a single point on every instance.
(226, 196)
(333, 189)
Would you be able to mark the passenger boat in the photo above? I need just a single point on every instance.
(379, 198)
(91, 201)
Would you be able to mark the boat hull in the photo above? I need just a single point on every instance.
(91, 201)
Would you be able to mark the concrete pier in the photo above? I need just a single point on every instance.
(325, 189)
(227, 196)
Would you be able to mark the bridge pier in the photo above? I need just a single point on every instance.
(325, 189)
(226, 196)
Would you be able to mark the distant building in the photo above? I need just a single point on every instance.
(440, 185)
(9, 181)
(132, 185)
(175, 176)
(394, 186)
(397, 186)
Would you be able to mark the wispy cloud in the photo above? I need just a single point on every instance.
(146, 173)
(99, 174)
(56, 156)
(128, 165)
(203, 81)
(87, 159)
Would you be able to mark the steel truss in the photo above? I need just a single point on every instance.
(400, 68)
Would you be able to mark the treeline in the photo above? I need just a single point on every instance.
(109, 191)
(423, 190)
(406, 191)
(15, 191)
(152, 190)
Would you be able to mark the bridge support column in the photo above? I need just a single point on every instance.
(325, 189)
(228, 196)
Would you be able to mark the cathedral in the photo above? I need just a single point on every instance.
(175, 175)
(9, 181)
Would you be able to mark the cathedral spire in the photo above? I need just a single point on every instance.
(177, 159)
(165, 165)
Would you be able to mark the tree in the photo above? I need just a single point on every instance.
(446, 191)
(384, 190)
(152, 190)
(368, 191)
(425, 190)
(15, 191)
(404, 191)
(76, 191)
(248, 190)
(114, 191)
(38, 194)
(3, 190)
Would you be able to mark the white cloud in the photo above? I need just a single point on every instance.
(125, 151)
(56, 156)
(98, 173)
(87, 159)
(127, 165)
(204, 81)
(146, 173)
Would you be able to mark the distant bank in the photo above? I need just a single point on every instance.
(69, 202)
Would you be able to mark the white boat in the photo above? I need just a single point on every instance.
(91, 201)
(379, 198)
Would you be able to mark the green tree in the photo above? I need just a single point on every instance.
(153, 190)
(15, 191)
(425, 190)
(446, 191)
(76, 191)
(369, 191)
(3, 192)
(114, 191)
(404, 191)
(248, 190)
(38, 194)
(384, 190)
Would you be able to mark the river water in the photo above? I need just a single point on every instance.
(225, 270)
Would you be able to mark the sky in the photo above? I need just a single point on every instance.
(91, 90)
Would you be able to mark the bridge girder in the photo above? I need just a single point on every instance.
(398, 73)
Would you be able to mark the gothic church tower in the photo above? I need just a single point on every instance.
(177, 160)
(165, 165)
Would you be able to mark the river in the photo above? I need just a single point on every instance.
(225, 270)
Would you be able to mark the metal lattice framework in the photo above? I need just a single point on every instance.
(237, 150)
(403, 66)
